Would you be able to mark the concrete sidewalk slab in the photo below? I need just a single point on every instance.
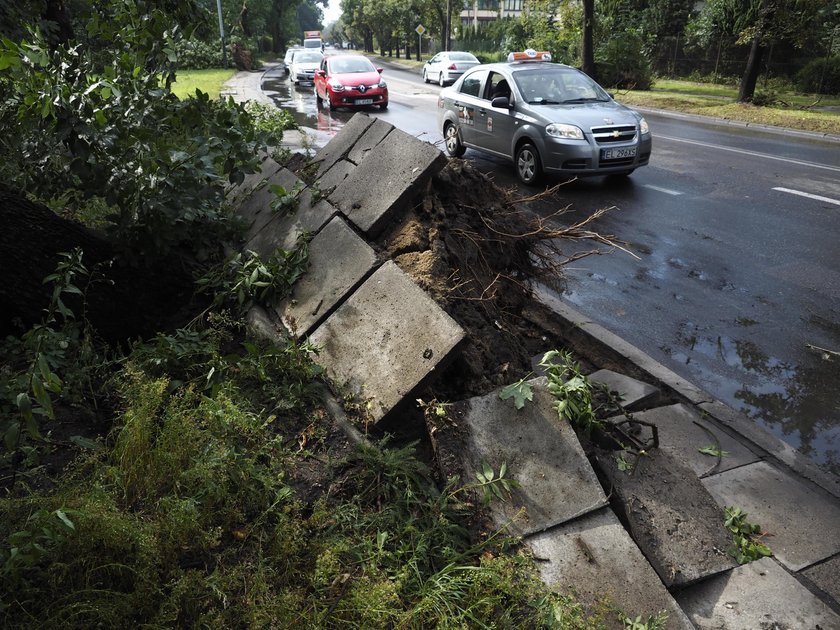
(372, 136)
(335, 175)
(384, 183)
(802, 520)
(757, 595)
(341, 144)
(593, 557)
(671, 516)
(826, 577)
(237, 194)
(284, 229)
(542, 454)
(256, 209)
(683, 431)
(338, 262)
(632, 392)
(385, 339)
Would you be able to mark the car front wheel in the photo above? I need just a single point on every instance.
(383, 105)
(528, 164)
(453, 142)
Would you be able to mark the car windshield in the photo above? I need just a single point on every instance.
(351, 64)
(307, 57)
(558, 86)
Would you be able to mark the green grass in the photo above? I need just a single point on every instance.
(209, 81)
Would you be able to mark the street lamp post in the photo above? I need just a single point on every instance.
(222, 33)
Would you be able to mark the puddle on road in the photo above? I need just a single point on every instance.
(796, 402)
(300, 102)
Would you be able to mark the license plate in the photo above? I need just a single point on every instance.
(618, 153)
(364, 101)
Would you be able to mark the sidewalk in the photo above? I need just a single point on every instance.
(650, 546)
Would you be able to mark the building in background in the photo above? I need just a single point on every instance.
(478, 12)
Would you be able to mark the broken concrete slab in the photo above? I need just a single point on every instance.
(683, 431)
(284, 229)
(670, 514)
(593, 557)
(826, 577)
(803, 520)
(339, 146)
(760, 594)
(386, 181)
(631, 392)
(541, 452)
(372, 136)
(256, 208)
(338, 261)
(385, 339)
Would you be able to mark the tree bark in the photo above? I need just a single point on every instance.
(120, 302)
(587, 47)
(753, 69)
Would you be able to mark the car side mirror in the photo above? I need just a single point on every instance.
(379, 70)
(502, 101)
(320, 73)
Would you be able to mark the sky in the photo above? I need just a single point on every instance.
(332, 11)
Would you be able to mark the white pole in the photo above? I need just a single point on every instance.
(222, 33)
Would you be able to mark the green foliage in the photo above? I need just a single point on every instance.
(102, 121)
(30, 547)
(245, 279)
(653, 622)
(493, 485)
(621, 63)
(520, 391)
(746, 546)
(820, 76)
(29, 379)
(197, 54)
(571, 388)
(285, 201)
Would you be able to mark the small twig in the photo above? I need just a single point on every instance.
(831, 353)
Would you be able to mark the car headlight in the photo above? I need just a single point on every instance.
(382, 83)
(643, 126)
(567, 132)
(336, 86)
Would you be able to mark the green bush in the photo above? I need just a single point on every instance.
(621, 63)
(820, 76)
(199, 55)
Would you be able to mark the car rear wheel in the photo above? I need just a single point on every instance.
(425, 77)
(528, 164)
(453, 141)
(441, 81)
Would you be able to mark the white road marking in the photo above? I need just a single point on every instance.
(766, 156)
(667, 191)
(836, 202)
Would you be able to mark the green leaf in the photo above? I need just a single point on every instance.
(520, 391)
(85, 443)
(61, 515)
(488, 471)
(713, 451)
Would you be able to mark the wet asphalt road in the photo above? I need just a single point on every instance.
(737, 284)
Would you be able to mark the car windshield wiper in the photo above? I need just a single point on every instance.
(584, 100)
(542, 101)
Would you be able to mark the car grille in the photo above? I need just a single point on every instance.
(614, 133)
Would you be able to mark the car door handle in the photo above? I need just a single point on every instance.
(482, 111)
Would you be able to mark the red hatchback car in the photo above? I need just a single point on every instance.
(350, 81)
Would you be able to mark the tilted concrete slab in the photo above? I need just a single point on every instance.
(683, 431)
(632, 392)
(670, 514)
(342, 142)
(826, 577)
(256, 209)
(283, 229)
(385, 339)
(338, 262)
(237, 194)
(593, 557)
(335, 175)
(755, 596)
(386, 181)
(803, 521)
(542, 454)
(372, 136)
